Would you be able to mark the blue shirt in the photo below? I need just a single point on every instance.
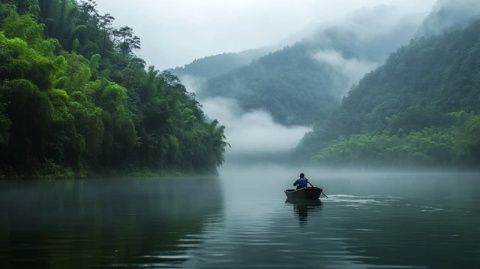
(301, 182)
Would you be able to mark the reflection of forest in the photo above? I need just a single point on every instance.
(81, 224)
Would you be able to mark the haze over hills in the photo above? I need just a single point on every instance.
(212, 66)
(304, 83)
(449, 15)
(420, 107)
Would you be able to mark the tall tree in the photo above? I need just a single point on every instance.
(127, 42)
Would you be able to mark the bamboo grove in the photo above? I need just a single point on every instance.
(76, 100)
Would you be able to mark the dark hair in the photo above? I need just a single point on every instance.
(301, 175)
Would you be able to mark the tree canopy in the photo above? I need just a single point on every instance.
(76, 100)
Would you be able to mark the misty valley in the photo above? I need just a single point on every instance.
(239, 134)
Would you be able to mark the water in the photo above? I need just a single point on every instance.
(241, 220)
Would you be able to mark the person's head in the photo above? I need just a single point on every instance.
(302, 175)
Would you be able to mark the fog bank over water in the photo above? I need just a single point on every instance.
(253, 132)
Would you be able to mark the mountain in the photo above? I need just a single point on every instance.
(421, 107)
(304, 83)
(212, 66)
(280, 83)
(449, 15)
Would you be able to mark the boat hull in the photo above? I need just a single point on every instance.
(312, 193)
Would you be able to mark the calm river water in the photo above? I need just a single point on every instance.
(241, 220)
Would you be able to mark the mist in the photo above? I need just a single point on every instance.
(256, 132)
(376, 31)
(447, 15)
(356, 46)
(201, 28)
(352, 69)
(253, 132)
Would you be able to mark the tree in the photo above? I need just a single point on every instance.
(127, 42)
(67, 110)
(105, 24)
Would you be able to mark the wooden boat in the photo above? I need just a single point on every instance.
(311, 193)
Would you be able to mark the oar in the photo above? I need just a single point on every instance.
(322, 190)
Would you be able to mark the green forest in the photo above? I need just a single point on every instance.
(291, 83)
(421, 107)
(75, 100)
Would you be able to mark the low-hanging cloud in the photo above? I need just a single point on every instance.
(356, 46)
(449, 15)
(175, 32)
(352, 69)
(192, 83)
(253, 132)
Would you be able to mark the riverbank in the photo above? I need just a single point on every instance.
(56, 172)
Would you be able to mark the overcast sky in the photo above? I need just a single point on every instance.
(175, 32)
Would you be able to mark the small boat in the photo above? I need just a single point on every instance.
(311, 193)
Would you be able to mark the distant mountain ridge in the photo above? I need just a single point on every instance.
(448, 15)
(212, 66)
(304, 83)
(196, 73)
(421, 107)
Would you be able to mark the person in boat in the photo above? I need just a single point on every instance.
(302, 182)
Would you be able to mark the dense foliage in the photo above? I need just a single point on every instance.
(404, 111)
(75, 99)
(458, 143)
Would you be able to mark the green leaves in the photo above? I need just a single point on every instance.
(22, 61)
(64, 111)
(127, 42)
(22, 26)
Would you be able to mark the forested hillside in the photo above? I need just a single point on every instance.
(290, 84)
(304, 83)
(448, 15)
(75, 100)
(421, 107)
(216, 65)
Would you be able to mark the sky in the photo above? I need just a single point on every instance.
(175, 32)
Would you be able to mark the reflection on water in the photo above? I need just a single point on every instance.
(241, 220)
(121, 223)
(303, 207)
